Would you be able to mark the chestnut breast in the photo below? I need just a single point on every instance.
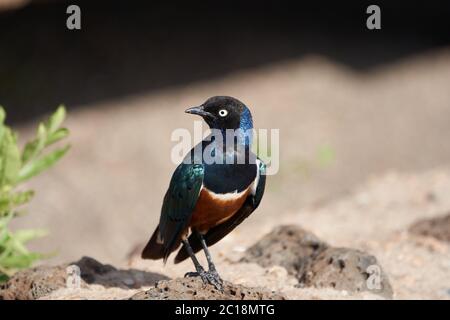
(213, 209)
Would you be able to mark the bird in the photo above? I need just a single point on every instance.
(206, 200)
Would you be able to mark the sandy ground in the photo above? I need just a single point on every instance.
(374, 218)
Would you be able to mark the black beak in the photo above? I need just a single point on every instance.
(199, 111)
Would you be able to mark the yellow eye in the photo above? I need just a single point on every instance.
(223, 113)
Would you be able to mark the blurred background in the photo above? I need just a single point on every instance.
(350, 103)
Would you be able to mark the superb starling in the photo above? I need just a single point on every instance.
(206, 200)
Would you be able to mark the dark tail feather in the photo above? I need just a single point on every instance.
(153, 250)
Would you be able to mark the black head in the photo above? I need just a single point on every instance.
(222, 112)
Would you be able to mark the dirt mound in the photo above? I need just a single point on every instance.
(438, 228)
(195, 289)
(347, 269)
(287, 246)
(315, 264)
(33, 283)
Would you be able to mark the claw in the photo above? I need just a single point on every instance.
(212, 278)
(216, 276)
(192, 274)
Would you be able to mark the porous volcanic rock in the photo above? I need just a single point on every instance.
(316, 264)
(193, 288)
(347, 269)
(288, 246)
(33, 283)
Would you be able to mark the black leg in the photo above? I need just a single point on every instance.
(211, 266)
(191, 253)
(206, 276)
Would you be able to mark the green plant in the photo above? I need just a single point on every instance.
(16, 167)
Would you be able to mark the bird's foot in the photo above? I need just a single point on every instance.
(211, 277)
(215, 274)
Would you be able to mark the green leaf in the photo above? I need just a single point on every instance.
(5, 220)
(37, 166)
(2, 115)
(9, 201)
(5, 205)
(2, 122)
(17, 246)
(20, 198)
(34, 148)
(19, 261)
(4, 236)
(11, 161)
(56, 136)
(56, 119)
(3, 277)
(17, 167)
(26, 235)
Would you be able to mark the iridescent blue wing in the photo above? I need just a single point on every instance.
(178, 205)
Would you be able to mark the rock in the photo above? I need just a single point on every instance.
(438, 228)
(288, 246)
(315, 264)
(194, 289)
(40, 281)
(33, 283)
(347, 269)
